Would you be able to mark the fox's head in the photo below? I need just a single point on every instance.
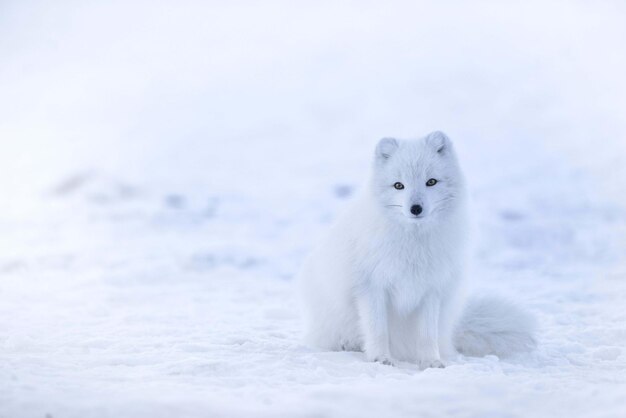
(418, 181)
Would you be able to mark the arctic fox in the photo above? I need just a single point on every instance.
(388, 280)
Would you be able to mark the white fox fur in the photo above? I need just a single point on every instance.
(388, 280)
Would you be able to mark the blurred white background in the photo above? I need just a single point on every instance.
(188, 91)
(165, 167)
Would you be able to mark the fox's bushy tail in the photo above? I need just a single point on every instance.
(489, 325)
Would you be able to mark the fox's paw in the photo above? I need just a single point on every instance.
(386, 360)
(431, 364)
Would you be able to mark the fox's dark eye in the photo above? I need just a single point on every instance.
(398, 185)
(431, 182)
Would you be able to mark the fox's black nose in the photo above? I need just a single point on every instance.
(416, 209)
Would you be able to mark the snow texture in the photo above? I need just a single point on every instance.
(166, 166)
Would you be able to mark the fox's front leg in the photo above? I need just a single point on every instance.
(372, 306)
(428, 354)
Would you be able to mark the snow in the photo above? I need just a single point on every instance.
(165, 168)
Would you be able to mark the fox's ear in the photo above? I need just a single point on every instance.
(439, 141)
(385, 148)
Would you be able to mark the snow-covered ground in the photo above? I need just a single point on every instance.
(165, 167)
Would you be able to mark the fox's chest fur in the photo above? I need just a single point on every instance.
(405, 264)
